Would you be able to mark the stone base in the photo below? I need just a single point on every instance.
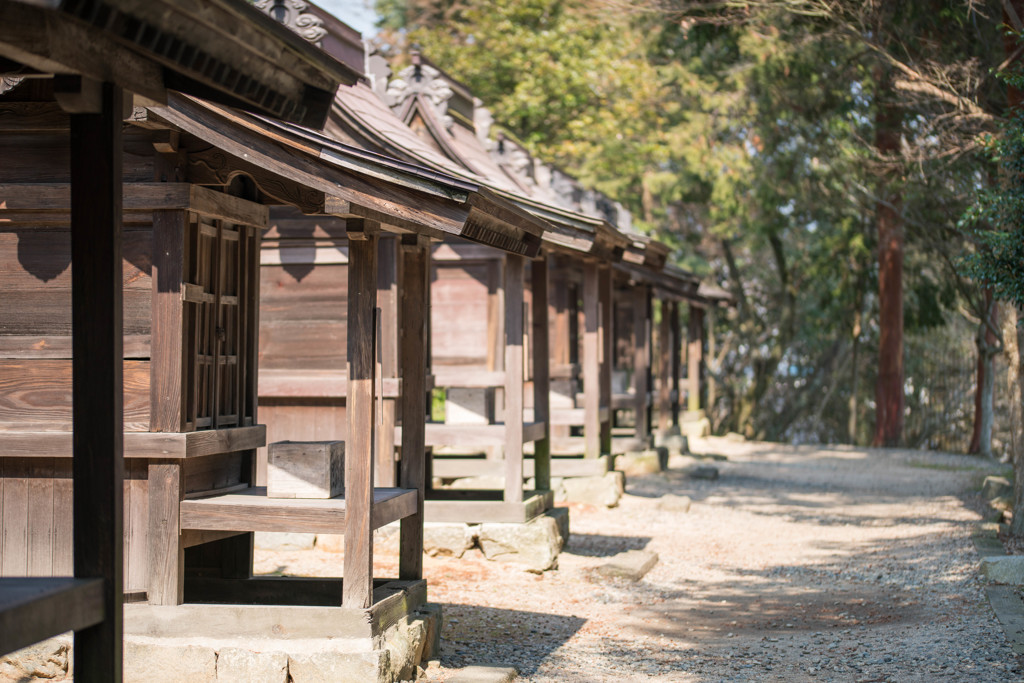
(534, 545)
(206, 643)
(49, 660)
(605, 490)
(672, 439)
(695, 425)
(644, 462)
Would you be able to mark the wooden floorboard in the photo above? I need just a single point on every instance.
(477, 436)
(477, 511)
(33, 609)
(252, 510)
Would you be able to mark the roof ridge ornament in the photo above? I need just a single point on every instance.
(293, 14)
(422, 79)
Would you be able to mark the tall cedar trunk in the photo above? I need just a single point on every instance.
(854, 378)
(889, 386)
(1014, 97)
(1014, 336)
(985, 341)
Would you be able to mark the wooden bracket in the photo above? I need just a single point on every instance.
(413, 241)
(77, 94)
(359, 229)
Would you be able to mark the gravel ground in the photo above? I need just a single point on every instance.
(797, 564)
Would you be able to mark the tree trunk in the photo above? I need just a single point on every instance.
(854, 379)
(889, 386)
(981, 437)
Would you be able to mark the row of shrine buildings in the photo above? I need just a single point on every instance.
(253, 282)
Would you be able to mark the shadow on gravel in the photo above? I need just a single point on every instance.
(598, 545)
(487, 635)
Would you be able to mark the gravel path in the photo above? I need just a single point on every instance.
(796, 564)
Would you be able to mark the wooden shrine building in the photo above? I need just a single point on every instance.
(79, 187)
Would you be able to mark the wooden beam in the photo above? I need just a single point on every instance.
(641, 359)
(415, 313)
(541, 372)
(97, 390)
(591, 361)
(166, 582)
(694, 357)
(607, 341)
(664, 368)
(514, 267)
(677, 351)
(359, 455)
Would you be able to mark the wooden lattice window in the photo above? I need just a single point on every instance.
(220, 320)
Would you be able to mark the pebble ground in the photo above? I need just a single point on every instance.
(797, 564)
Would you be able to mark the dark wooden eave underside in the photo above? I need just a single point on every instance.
(222, 50)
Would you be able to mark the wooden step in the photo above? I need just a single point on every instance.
(251, 510)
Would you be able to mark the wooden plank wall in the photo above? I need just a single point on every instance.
(460, 312)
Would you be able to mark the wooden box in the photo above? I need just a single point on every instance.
(306, 469)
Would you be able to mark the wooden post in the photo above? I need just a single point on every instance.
(165, 584)
(641, 359)
(606, 286)
(541, 373)
(415, 300)
(664, 368)
(387, 299)
(167, 376)
(514, 267)
(497, 302)
(591, 361)
(694, 357)
(97, 371)
(708, 377)
(357, 592)
(677, 350)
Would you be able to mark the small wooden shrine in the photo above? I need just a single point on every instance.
(80, 368)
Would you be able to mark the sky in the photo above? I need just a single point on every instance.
(356, 13)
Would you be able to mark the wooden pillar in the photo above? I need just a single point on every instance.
(559, 314)
(707, 377)
(694, 357)
(415, 302)
(677, 351)
(541, 373)
(97, 374)
(514, 267)
(591, 361)
(641, 360)
(497, 301)
(606, 284)
(359, 454)
(387, 300)
(665, 368)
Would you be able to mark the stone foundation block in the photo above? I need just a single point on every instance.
(561, 517)
(535, 545)
(650, 461)
(433, 622)
(606, 490)
(631, 565)
(331, 667)
(485, 673)
(148, 660)
(448, 540)
(1008, 569)
(674, 503)
(237, 664)
(996, 487)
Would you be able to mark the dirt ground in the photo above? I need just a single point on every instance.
(797, 564)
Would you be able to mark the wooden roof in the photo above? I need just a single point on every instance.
(222, 50)
(301, 167)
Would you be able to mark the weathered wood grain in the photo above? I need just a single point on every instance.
(514, 265)
(541, 376)
(168, 379)
(591, 360)
(607, 342)
(166, 574)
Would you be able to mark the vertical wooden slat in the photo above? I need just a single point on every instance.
(165, 583)
(63, 532)
(496, 314)
(218, 321)
(14, 551)
(97, 389)
(359, 456)
(167, 373)
(541, 372)
(415, 313)
(387, 301)
(694, 357)
(40, 517)
(641, 362)
(514, 267)
(252, 302)
(677, 350)
(136, 523)
(606, 286)
(664, 368)
(591, 362)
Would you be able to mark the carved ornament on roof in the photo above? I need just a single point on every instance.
(9, 83)
(293, 14)
(425, 80)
